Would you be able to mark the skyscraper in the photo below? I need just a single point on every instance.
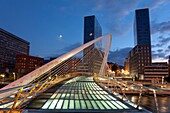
(92, 30)
(140, 55)
(142, 27)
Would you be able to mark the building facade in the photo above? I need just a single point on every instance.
(26, 63)
(140, 55)
(127, 65)
(156, 72)
(92, 30)
(169, 66)
(10, 46)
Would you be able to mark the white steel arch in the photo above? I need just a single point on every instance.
(43, 69)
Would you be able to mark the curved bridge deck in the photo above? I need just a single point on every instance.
(80, 94)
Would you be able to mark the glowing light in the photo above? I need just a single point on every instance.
(90, 34)
(122, 71)
(2, 75)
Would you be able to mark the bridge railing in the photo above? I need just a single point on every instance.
(122, 88)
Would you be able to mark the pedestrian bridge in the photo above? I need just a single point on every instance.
(79, 94)
(73, 82)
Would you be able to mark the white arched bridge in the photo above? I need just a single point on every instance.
(77, 81)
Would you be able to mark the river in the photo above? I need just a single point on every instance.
(149, 103)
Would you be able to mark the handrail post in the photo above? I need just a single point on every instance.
(156, 101)
(139, 99)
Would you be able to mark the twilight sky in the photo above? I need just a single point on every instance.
(54, 25)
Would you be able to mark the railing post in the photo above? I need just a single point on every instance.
(156, 101)
(139, 99)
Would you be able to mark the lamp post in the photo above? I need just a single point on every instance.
(14, 75)
(163, 80)
(3, 77)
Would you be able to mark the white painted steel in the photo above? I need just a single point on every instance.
(45, 68)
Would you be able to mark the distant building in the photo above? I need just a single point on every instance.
(156, 72)
(169, 66)
(126, 64)
(92, 30)
(10, 46)
(26, 63)
(140, 55)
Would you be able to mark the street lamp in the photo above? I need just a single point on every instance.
(14, 75)
(3, 76)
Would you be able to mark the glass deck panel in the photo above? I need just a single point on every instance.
(67, 96)
(65, 105)
(117, 105)
(71, 105)
(58, 96)
(102, 96)
(53, 96)
(77, 104)
(98, 97)
(112, 97)
(105, 104)
(111, 105)
(53, 104)
(100, 105)
(94, 105)
(89, 106)
(47, 104)
(59, 104)
(83, 105)
(123, 105)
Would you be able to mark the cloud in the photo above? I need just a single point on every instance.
(167, 57)
(160, 50)
(153, 51)
(162, 41)
(158, 55)
(156, 3)
(116, 12)
(66, 49)
(168, 47)
(162, 27)
(119, 56)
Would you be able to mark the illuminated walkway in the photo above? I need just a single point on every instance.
(80, 94)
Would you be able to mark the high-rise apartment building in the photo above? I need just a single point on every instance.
(92, 30)
(10, 46)
(140, 55)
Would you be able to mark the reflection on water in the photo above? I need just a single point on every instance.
(148, 102)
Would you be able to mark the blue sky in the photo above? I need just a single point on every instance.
(41, 22)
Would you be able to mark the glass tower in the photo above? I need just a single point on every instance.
(142, 27)
(92, 30)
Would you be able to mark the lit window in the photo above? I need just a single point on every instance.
(90, 34)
